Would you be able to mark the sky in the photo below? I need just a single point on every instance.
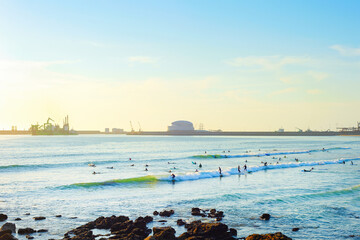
(230, 65)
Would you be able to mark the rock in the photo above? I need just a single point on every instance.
(265, 216)
(166, 213)
(180, 222)
(233, 231)
(164, 233)
(9, 226)
(39, 218)
(162, 221)
(29, 237)
(27, 214)
(24, 231)
(106, 223)
(155, 213)
(17, 219)
(6, 235)
(199, 230)
(58, 216)
(295, 229)
(42, 230)
(3, 217)
(269, 236)
(196, 212)
(148, 219)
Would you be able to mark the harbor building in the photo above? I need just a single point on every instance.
(181, 126)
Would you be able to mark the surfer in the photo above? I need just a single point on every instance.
(308, 170)
(129, 159)
(200, 166)
(95, 172)
(132, 165)
(239, 169)
(351, 162)
(91, 165)
(245, 167)
(196, 170)
(343, 162)
(205, 152)
(146, 165)
(220, 171)
(110, 167)
(146, 170)
(173, 177)
(265, 164)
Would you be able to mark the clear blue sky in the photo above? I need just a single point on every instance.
(249, 55)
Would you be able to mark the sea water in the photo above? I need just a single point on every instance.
(53, 175)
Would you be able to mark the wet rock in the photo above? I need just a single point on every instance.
(199, 230)
(39, 218)
(17, 219)
(295, 229)
(162, 221)
(24, 231)
(27, 214)
(58, 216)
(180, 222)
(265, 216)
(42, 230)
(155, 213)
(3, 217)
(166, 213)
(269, 236)
(106, 223)
(233, 232)
(148, 219)
(9, 226)
(5, 235)
(163, 233)
(196, 212)
(29, 237)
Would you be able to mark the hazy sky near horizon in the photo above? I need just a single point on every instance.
(231, 65)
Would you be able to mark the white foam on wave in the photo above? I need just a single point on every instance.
(273, 153)
(234, 171)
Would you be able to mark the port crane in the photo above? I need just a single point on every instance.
(300, 130)
(139, 127)
(132, 129)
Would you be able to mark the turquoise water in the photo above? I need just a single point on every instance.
(50, 175)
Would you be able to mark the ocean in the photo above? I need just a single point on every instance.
(53, 175)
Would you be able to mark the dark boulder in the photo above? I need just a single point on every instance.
(269, 236)
(155, 213)
(39, 218)
(3, 217)
(295, 229)
(148, 219)
(24, 231)
(29, 237)
(265, 216)
(199, 230)
(166, 213)
(233, 231)
(164, 233)
(42, 230)
(196, 212)
(180, 222)
(9, 226)
(17, 219)
(58, 216)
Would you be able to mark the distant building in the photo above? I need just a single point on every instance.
(181, 126)
(117, 130)
(107, 130)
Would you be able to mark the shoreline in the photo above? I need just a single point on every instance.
(204, 225)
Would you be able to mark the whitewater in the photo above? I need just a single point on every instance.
(54, 175)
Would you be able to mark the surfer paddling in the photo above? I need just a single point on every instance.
(305, 170)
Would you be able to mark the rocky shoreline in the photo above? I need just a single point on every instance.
(123, 228)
